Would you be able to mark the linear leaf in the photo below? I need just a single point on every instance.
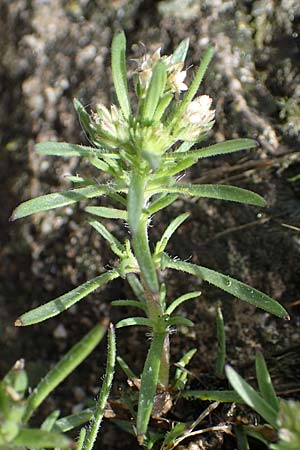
(194, 86)
(57, 200)
(217, 396)
(63, 368)
(118, 64)
(60, 304)
(155, 90)
(265, 385)
(241, 438)
(134, 303)
(180, 53)
(178, 320)
(74, 420)
(170, 230)
(161, 202)
(126, 369)
(162, 106)
(36, 438)
(230, 285)
(183, 298)
(137, 287)
(92, 432)
(144, 257)
(114, 243)
(49, 422)
(251, 397)
(108, 213)
(149, 381)
(221, 148)
(181, 374)
(130, 321)
(81, 439)
(65, 149)
(170, 169)
(217, 191)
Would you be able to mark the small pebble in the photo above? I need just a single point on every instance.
(60, 332)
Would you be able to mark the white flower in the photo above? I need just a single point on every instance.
(198, 118)
(176, 78)
(110, 126)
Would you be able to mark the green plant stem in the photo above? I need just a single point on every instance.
(104, 393)
(149, 279)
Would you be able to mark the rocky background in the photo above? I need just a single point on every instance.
(55, 50)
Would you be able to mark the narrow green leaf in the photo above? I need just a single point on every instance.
(65, 149)
(171, 169)
(36, 438)
(126, 369)
(114, 243)
(135, 201)
(251, 397)
(134, 303)
(265, 385)
(178, 320)
(137, 287)
(60, 304)
(221, 338)
(181, 374)
(118, 64)
(57, 200)
(179, 300)
(161, 202)
(241, 438)
(84, 118)
(162, 106)
(221, 148)
(230, 285)
(63, 368)
(108, 213)
(216, 396)
(99, 164)
(184, 147)
(92, 432)
(194, 86)
(81, 439)
(80, 180)
(149, 381)
(74, 420)
(144, 257)
(170, 230)
(130, 321)
(180, 53)
(50, 421)
(155, 90)
(217, 191)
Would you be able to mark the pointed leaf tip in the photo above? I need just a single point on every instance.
(19, 323)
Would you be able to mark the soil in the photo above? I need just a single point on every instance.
(55, 50)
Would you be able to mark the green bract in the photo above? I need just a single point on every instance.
(143, 148)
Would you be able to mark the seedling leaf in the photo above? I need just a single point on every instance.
(251, 397)
(265, 385)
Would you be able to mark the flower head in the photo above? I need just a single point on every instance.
(110, 126)
(198, 118)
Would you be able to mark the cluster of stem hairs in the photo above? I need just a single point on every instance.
(144, 148)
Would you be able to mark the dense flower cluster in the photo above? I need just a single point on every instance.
(113, 130)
